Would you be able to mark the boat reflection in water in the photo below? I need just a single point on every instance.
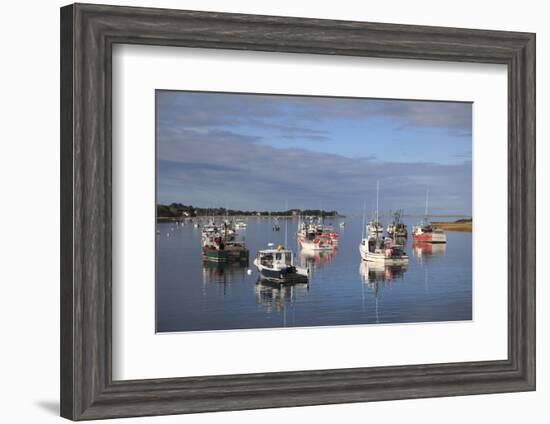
(223, 273)
(316, 260)
(424, 250)
(376, 272)
(275, 296)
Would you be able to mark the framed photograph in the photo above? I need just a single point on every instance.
(262, 211)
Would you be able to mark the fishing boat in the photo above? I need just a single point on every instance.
(218, 250)
(426, 232)
(397, 228)
(316, 230)
(429, 234)
(376, 249)
(240, 225)
(317, 244)
(306, 229)
(228, 227)
(375, 227)
(327, 234)
(278, 265)
(219, 245)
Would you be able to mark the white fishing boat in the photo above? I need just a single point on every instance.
(240, 225)
(316, 230)
(375, 228)
(375, 249)
(304, 231)
(278, 265)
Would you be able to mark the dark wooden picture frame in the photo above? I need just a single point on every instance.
(88, 33)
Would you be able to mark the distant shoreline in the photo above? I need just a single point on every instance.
(239, 217)
(179, 211)
(464, 225)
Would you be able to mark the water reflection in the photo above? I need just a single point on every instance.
(275, 296)
(374, 275)
(424, 250)
(372, 272)
(220, 273)
(316, 260)
(197, 296)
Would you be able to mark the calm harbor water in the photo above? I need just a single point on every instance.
(436, 285)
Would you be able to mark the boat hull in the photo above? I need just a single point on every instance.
(219, 256)
(380, 257)
(430, 238)
(224, 256)
(273, 275)
(282, 276)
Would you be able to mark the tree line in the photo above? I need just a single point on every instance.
(179, 210)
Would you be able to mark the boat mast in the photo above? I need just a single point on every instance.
(426, 211)
(377, 190)
(286, 220)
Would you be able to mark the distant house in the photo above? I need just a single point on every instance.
(185, 213)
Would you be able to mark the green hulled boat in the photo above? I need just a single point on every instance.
(215, 255)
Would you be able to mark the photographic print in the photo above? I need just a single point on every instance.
(281, 210)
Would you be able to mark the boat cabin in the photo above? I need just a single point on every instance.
(424, 229)
(275, 258)
(386, 246)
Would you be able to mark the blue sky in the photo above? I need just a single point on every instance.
(246, 151)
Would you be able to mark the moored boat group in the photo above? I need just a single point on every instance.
(223, 242)
(389, 249)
